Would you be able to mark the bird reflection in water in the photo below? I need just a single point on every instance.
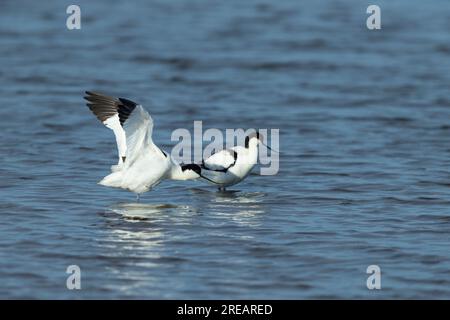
(243, 208)
(143, 236)
(140, 226)
(136, 237)
(140, 229)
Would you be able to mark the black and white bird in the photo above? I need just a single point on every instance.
(230, 166)
(142, 165)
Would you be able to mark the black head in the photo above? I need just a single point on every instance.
(256, 135)
(194, 167)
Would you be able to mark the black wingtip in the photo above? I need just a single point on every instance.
(128, 103)
(94, 93)
(88, 95)
(194, 167)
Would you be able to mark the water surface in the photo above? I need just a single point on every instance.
(364, 170)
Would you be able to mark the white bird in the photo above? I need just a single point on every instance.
(142, 165)
(230, 166)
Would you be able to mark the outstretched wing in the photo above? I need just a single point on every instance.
(220, 161)
(131, 124)
(138, 131)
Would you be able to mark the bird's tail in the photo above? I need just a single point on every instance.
(185, 172)
(112, 180)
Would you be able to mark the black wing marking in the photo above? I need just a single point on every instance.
(104, 106)
(235, 155)
(197, 169)
(191, 166)
(125, 109)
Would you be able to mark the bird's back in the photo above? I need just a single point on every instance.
(146, 172)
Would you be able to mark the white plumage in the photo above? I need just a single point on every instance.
(142, 165)
(230, 166)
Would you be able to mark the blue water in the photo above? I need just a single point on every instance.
(364, 178)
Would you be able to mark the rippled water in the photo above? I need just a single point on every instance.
(364, 173)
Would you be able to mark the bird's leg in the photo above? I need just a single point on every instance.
(138, 197)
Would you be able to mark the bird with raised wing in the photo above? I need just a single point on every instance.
(141, 165)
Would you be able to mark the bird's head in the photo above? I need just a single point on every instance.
(253, 138)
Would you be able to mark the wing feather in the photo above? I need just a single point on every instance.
(220, 161)
(113, 123)
(131, 124)
(138, 131)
